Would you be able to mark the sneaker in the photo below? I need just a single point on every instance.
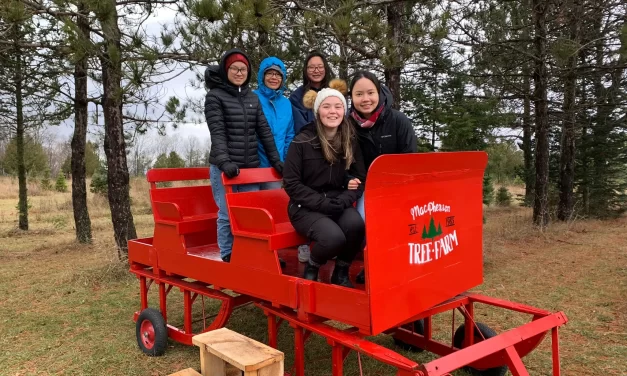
(303, 253)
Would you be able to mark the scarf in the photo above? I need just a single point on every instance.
(367, 123)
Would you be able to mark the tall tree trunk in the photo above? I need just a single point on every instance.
(394, 64)
(527, 136)
(263, 40)
(114, 143)
(82, 221)
(343, 66)
(567, 144)
(526, 120)
(19, 137)
(435, 109)
(600, 131)
(541, 200)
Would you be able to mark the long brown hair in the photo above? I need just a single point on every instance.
(341, 144)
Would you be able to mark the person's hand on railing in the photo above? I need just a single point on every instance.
(230, 169)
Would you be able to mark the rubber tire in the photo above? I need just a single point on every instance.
(161, 332)
(419, 327)
(487, 332)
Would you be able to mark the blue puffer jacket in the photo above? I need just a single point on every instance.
(277, 110)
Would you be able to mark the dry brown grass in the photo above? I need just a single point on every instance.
(66, 308)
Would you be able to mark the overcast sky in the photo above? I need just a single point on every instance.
(179, 87)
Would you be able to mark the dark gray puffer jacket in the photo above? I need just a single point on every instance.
(235, 119)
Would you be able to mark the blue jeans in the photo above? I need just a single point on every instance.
(360, 207)
(225, 236)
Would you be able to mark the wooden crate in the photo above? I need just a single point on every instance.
(223, 351)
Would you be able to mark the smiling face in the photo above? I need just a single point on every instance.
(315, 70)
(272, 79)
(237, 73)
(331, 112)
(365, 97)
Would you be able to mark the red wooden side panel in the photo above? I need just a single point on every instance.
(424, 232)
(192, 200)
(275, 201)
(157, 175)
(251, 220)
(167, 211)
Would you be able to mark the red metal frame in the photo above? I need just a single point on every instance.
(424, 223)
(190, 290)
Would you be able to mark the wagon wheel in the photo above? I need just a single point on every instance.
(418, 328)
(481, 331)
(151, 332)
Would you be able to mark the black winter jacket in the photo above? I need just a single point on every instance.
(235, 119)
(310, 180)
(392, 133)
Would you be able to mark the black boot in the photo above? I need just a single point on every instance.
(361, 277)
(311, 272)
(340, 274)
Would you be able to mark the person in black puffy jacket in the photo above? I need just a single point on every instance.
(236, 123)
(321, 206)
(380, 128)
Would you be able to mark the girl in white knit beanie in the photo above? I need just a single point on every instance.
(321, 207)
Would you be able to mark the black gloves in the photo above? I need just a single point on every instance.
(230, 169)
(279, 167)
(332, 206)
(347, 202)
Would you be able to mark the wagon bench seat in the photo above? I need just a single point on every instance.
(169, 213)
(259, 223)
(261, 214)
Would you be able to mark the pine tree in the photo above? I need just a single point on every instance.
(433, 232)
(540, 77)
(567, 142)
(60, 185)
(488, 190)
(45, 181)
(99, 183)
(27, 100)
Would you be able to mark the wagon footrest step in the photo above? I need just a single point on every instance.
(223, 351)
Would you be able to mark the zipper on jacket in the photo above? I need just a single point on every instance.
(330, 172)
(241, 102)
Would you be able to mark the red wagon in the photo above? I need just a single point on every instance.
(424, 252)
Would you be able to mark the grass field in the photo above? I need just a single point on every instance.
(66, 309)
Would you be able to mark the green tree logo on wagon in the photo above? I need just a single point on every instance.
(432, 243)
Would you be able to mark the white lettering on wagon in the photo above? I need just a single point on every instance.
(428, 240)
(430, 208)
(422, 253)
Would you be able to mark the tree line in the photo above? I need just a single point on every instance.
(543, 80)
(50, 156)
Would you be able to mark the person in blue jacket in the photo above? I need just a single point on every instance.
(276, 108)
(316, 76)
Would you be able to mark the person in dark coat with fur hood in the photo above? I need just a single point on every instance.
(236, 125)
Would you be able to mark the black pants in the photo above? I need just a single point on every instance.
(340, 236)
